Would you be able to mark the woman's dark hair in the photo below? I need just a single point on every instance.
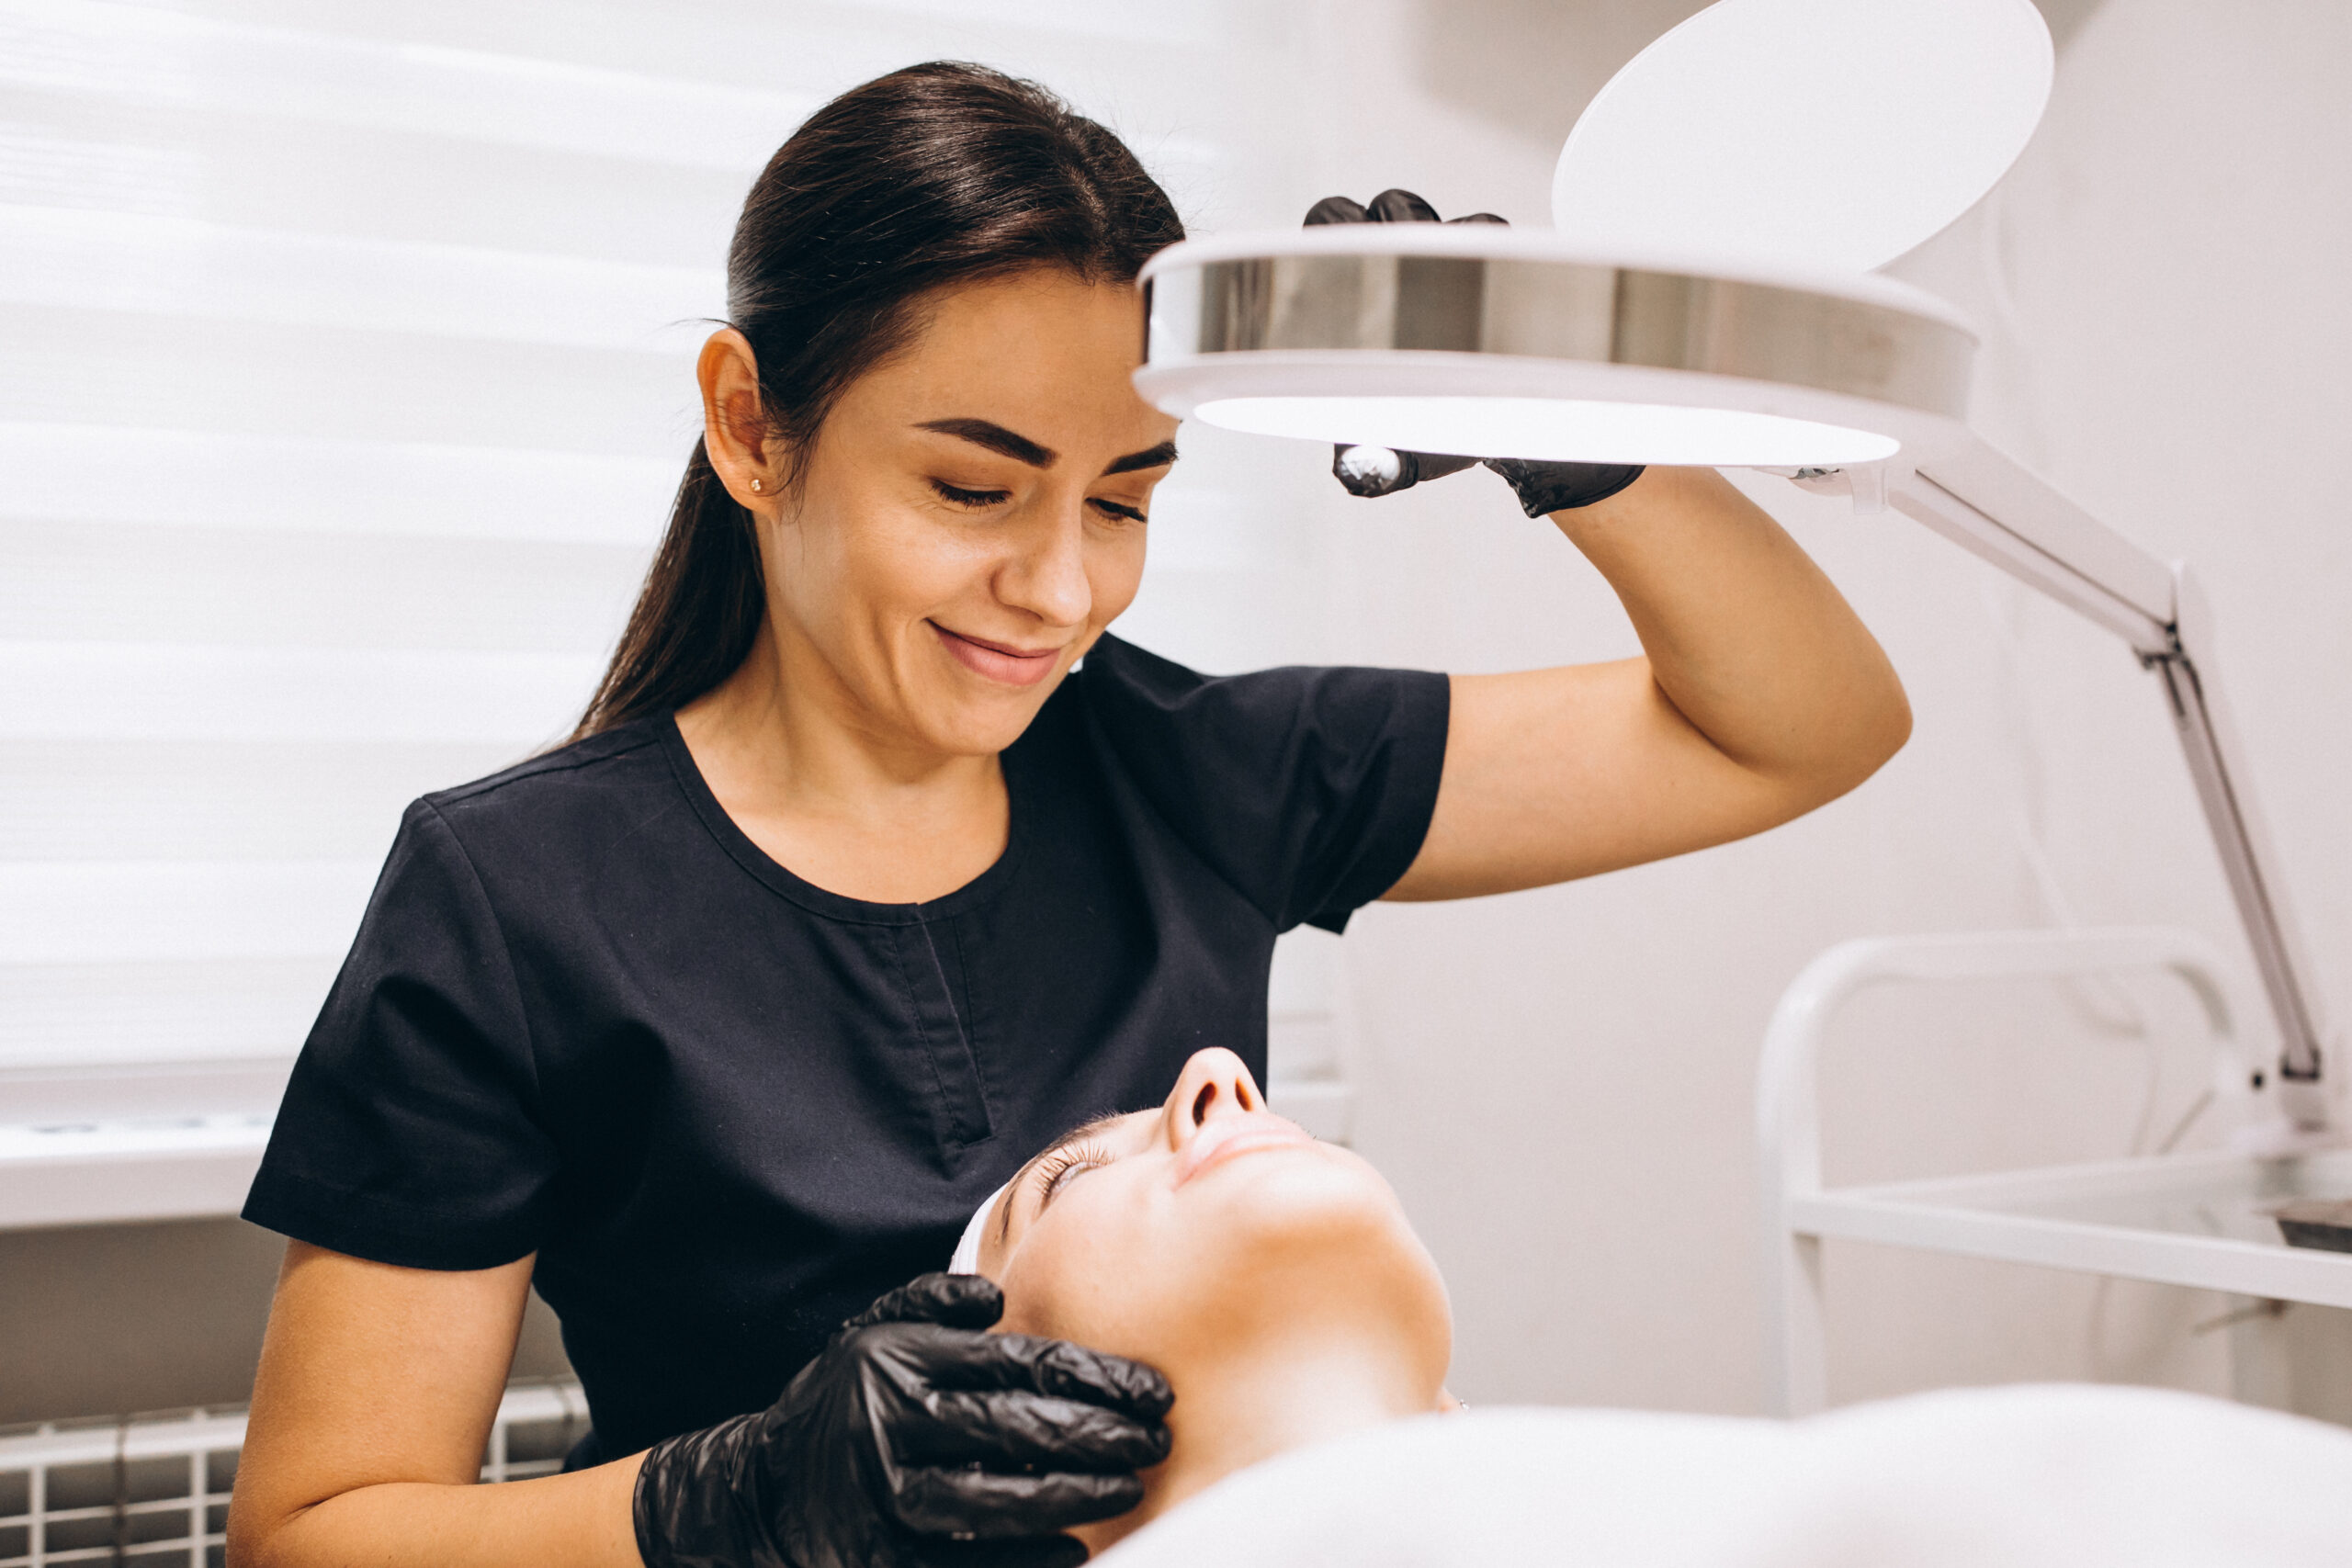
(936, 175)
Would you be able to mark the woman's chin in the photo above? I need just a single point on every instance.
(959, 714)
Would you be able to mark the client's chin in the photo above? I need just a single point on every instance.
(1297, 1245)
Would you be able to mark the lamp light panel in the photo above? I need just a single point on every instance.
(1557, 429)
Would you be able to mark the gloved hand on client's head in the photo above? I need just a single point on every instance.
(1542, 487)
(914, 1440)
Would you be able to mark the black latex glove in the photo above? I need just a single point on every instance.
(912, 1439)
(1542, 487)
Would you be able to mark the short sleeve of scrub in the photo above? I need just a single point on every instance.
(1309, 789)
(422, 1049)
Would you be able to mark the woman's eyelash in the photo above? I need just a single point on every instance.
(976, 498)
(973, 498)
(1066, 1163)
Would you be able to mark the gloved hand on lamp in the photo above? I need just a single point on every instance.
(913, 1440)
(1542, 487)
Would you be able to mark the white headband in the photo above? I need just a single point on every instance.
(967, 1250)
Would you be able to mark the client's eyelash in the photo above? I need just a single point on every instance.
(1066, 1163)
(972, 498)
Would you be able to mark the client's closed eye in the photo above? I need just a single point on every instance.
(1064, 1165)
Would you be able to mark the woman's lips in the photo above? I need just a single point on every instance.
(1228, 1136)
(998, 661)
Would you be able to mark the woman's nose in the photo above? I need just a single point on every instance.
(1048, 578)
(1214, 1083)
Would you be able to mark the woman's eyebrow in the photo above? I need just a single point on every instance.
(1021, 1177)
(1149, 457)
(1020, 449)
(996, 438)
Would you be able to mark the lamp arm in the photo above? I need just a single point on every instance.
(1995, 509)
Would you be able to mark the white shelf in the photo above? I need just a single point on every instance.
(2197, 1220)
(78, 1173)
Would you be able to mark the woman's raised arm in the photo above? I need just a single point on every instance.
(1761, 695)
(376, 1394)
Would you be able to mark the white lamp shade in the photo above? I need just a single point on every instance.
(1837, 133)
(1493, 342)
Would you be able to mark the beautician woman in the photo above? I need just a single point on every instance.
(854, 888)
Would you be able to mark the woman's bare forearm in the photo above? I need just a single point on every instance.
(1760, 697)
(1744, 636)
(378, 1389)
(581, 1520)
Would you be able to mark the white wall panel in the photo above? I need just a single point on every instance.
(178, 692)
(130, 262)
(179, 911)
(211, 478)
(217, 798)
(133, 582)
(125, 1014)
(265, 171)
(143, 53)
(261, 378)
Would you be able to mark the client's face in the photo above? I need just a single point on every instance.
(1212, 1228)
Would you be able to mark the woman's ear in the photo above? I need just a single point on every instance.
(734, 427)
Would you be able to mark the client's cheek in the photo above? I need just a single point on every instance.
(1090, 1288)
(1027, 1304)
(1046, 1284)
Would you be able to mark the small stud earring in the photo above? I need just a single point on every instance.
(755, 487)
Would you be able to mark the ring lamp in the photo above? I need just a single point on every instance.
(1496, 343)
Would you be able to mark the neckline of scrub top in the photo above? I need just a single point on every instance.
(823, 901)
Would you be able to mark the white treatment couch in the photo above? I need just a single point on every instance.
(2020, 1477)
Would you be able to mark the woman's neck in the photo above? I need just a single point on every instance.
(859, 814)
(1277, 1396)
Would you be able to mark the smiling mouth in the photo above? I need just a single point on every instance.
(998, 662)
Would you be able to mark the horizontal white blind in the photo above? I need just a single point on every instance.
(345, 373)
(332, 446)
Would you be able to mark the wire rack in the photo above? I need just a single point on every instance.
(151, 1491)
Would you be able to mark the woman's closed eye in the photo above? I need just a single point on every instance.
(975, 498)
(980, 500)
(1066, 1166)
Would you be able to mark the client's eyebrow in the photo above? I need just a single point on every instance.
(1021, 1177)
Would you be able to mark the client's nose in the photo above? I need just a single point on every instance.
(1214, 1083)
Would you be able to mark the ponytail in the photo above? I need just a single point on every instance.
(698, 612)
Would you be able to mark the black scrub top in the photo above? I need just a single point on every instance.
(585, 1016)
